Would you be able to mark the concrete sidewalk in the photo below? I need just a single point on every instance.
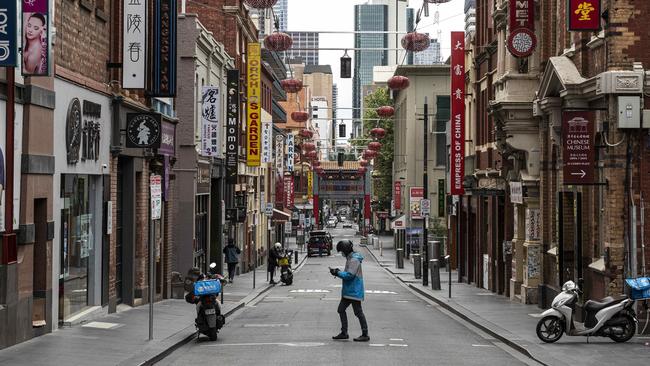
(122, 338)
(513, 323)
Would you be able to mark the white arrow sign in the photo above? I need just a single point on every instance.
(582, 173)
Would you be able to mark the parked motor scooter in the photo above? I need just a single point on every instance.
(613, 318)
(203, 290)
(286, 273)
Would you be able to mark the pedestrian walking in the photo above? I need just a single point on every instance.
(352, 292)
(274, 256)
(231, 254)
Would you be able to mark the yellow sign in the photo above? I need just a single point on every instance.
(310, 185)
(584, 9)
(254, 101)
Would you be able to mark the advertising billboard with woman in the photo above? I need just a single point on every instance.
(35, 38)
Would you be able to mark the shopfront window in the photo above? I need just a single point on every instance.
(77, 245)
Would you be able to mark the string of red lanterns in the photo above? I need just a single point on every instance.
(278, 42)
(305, 133)
(416, 42)
(385, 111)
(291, 85)
(398, 82)
(300, 116)
(378, 132)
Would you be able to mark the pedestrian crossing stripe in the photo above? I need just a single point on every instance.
(310, 291)
(381, 292)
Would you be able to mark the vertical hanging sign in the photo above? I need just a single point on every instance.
(290, 152)
(521, 40)
(288, 191)
(232, 126)
(163, 78)
(254, 112)
(310, 185)
(457, 113)
(8, 32)
(398, 195)
(36, 37)
(211, 121)
(134, 47)
(267, 141)
(584, 15)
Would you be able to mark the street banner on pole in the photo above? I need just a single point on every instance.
(211, 121)
(578, 147)
(254, 104)
(288, 191)
(36, 41)
(134, 48)
(416, 195)
(457, 113)
(441, 198)
(310, 185)
(290, 151)
(8, 34)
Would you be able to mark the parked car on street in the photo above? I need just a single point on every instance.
(331, 223)
(320, 242)
(347, 224)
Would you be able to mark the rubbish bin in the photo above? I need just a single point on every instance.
(417, 265)
(178, 290)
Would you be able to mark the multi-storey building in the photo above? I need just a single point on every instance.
(429, 56)
(305, 47)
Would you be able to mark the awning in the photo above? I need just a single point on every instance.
(280, 216)
(306, 206)
(399, 223)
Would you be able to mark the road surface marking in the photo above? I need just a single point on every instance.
(482, 345)
(294, 344)
(381, 292)
(310, 291)
(398, 345)
(280, 297)
(101, 325)
(377, 345)
(265, 325)
(396, 339)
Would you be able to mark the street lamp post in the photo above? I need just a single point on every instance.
(425, 182)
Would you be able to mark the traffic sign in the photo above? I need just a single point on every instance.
(426, 207)
(269, 209)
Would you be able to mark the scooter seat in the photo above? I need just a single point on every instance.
(596, 306)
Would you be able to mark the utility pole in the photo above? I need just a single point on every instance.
(425, 183)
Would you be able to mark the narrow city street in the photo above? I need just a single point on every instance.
(294, 325)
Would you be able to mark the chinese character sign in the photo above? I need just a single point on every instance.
(584, 15)
(134, 47)
(522, 40)
(279, 154)
(578, 150)
(36, 38)
(8, 31)
(290, 152)
(398, 195)
(254, 113)
(211, 121)
(267, 132)
(288, 191)
(457, 163)
(416, 195)
(310, 185)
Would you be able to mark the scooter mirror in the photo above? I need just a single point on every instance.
(213, 265)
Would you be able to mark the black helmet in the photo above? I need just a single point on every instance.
(344, 246)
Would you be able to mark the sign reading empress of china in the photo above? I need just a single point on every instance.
(143, 130)
(578, 147)
(457, 155)
(584, 15)
(522, 40)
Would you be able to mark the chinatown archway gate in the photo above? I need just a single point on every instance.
(342, 183)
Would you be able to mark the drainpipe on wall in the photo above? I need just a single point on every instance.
(9, 253)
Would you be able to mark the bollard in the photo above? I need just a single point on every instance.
(435, 274)
(221, 295)
(400, 258)
(295, 252)
(381, 249)
(417, 265)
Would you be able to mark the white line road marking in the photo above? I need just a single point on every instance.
(398, 345)
(310, 291)
(381, 292)
(101, 325)
(294, 344)
(482, 345)
(396, 339)
(265, 325)
(377, 345)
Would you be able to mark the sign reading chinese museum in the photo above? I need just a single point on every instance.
(143, 130)
(584, 15)
(211, 121)
(457, 154)
(8, 32)
(232, 126)
(134, 47)
(578, 147)
(522, 40)
(164, 51)
(36, 37)
(254, 112)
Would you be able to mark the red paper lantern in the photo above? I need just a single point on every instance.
(305, 133)
(278, 41)
(378, 132)
(300, 116)
(260, 4)
(416, 42)
(291, 85)
(363, 163)
(362, 170)
(386, 111)
(398, 82)
(311, 154)
(308, 146)
(316, 163)
(369, 154)
(374, 146)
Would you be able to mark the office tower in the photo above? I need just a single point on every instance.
(281, 10)
(302, 40)
(429, 56)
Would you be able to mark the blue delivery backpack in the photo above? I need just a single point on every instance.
(639, 288)
(207, 287)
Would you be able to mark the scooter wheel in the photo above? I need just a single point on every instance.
(550, 329)
(212, 334)
(629, 329)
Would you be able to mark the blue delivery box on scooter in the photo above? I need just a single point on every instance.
(639, 288)
(207, 287)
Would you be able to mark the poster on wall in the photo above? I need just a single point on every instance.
(3, 164)
(416, 195)
(457, 154)
(36, 38)
(254, 75)
(8, 34)
(164, 50)
(210, 121)
(134, 47)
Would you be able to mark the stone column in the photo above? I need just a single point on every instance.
(532, 252)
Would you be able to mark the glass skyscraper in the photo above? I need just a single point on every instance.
(281, 10)
(304, 40)
(429, 56)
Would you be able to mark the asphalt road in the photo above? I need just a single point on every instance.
(293, 325)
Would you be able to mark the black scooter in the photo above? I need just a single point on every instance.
(203, 291)
(286, 273)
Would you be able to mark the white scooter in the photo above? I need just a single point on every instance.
(611, 318)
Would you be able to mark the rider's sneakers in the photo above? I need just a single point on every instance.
(341, 336)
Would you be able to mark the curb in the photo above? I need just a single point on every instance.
(462, 315)
(180, 343)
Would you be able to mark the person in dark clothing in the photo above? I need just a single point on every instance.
(231, 254)
(274, 255)
(352, 292)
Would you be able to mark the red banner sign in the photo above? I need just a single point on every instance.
(578, 147)
(522, 40)
(398, 195)
(584, 15)
(288, 191)
(457, 112)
